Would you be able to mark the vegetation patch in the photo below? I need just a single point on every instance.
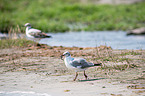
(69, 15)
(9, 43)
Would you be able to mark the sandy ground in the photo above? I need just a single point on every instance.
(40, 70)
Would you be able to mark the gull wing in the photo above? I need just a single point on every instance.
(80, 62)
(34, 30)
(38, 34)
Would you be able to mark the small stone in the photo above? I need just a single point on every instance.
(66, 90)
(103, 87)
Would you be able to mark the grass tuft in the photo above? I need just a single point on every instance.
(10, 43)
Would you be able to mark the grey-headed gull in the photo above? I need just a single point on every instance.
(35, 33)
(79, 64)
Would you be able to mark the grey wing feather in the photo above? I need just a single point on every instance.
(33, 34)
(81, 62)
(39, 35)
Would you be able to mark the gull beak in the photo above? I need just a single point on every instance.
(62, 57)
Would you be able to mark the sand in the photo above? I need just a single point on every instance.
(41, 72)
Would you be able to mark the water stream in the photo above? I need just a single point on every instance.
(117, 40)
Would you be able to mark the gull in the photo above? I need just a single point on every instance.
(35, 33)
(79, 64)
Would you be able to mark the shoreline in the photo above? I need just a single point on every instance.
(39, 69)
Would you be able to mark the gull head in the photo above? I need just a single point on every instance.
(28, 25)
(66, 54)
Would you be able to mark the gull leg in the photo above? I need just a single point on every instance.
(76, 76)
(85, 75)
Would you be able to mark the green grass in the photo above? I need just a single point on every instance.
(10, 43)
(56, 15)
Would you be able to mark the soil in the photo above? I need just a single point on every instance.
(40, 69)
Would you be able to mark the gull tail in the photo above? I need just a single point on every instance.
(48, 36)
(44, 35)
(99, 64)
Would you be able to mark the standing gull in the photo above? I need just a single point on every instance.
(79, 64)
(35, 33)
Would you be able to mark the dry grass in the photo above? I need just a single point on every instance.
(113, 61)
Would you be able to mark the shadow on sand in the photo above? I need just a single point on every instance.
(91, 79)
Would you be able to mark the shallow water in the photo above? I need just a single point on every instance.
(117, 40)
